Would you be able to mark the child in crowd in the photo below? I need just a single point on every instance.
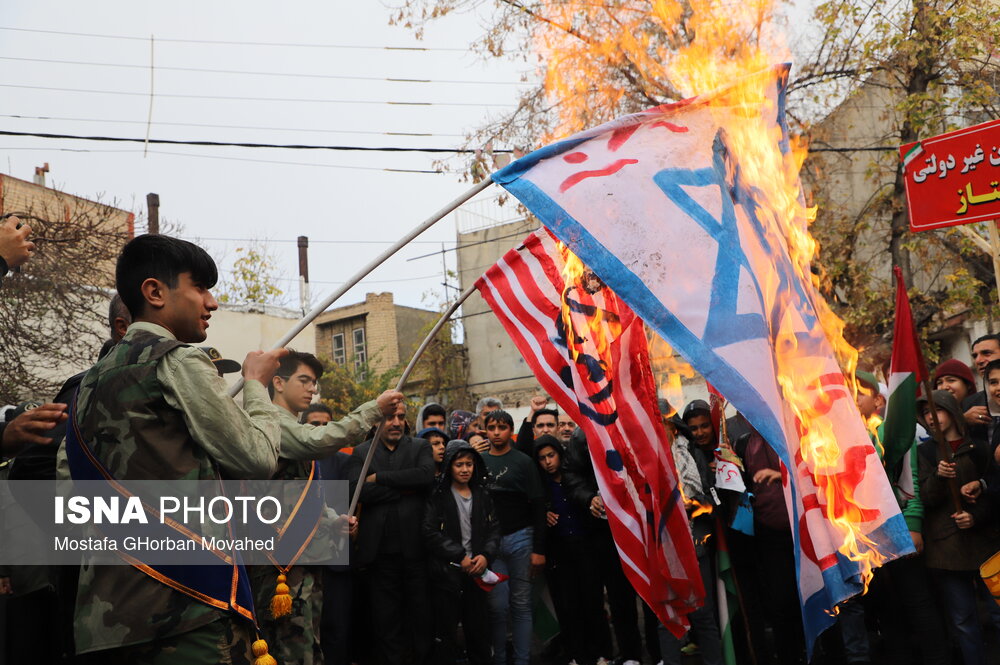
(955, 377)
(956, 542)
(437, 439)
(462, 536)
(570, 570)
(517, 494)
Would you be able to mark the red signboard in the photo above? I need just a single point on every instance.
(953, 178)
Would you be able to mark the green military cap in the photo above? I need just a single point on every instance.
(868, 380)
(223, 365)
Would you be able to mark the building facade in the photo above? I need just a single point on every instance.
(236, 330)
(377, 332)
(496, 368)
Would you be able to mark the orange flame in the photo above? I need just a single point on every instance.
(604, 59)
(699, 508)
(578, 277)
(669, 370)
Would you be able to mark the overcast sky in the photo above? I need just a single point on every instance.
(224, 195)
(214, 191)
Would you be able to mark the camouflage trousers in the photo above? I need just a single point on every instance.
(225, 641)
(293, 639)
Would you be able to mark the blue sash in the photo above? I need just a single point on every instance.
(223, 585)
(293, 535)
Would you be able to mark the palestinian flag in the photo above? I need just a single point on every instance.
(544, 622)
(726, 593)
(906, 372)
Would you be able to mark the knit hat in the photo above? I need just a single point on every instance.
(958, 369)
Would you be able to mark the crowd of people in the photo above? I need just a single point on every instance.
(467, 519)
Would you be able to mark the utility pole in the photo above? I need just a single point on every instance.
(304, 273)
(153, 213)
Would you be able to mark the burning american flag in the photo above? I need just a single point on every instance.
(589, 352)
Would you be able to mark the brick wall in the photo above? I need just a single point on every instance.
(388, 330)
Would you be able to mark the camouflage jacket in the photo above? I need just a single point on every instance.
(156, 409)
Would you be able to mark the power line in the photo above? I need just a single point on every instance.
(313, 147)
(228, 144)
(341, 77)
(236, 159)
(253, 127)
(126, 150)
(271, 161)
(364, 281)
(313, 241)
(524, 234)
(251, 99)
(360, 47)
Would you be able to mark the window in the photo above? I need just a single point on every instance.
(339, 352)
(360, 357)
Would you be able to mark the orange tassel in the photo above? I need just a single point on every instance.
(281, 603)
(260, 654)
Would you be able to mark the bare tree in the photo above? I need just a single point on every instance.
(53, 311)
(934, 64)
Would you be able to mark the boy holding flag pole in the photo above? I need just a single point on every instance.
(899, 595)
(155, 408)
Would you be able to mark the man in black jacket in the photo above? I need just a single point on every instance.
(982, 414)
(571, 571)
(389, 547)
(581, 485)
(462, 535)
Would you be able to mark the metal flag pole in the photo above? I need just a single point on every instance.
(399, 386)
(364, 272)
(944, 449)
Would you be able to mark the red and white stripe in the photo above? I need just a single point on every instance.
(524, 289)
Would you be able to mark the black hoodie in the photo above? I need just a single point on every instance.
(442, 530)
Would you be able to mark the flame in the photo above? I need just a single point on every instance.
(603, 59)
(699, 508)
(873, 422)
(582, 284)
(669, 370)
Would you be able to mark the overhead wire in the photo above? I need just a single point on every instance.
(329, 283)
(232, 144)
(237, 159)
(339, 77)
(287, 163)
(362, 47)
(251, 127)
(313, 241)
(126, 93)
